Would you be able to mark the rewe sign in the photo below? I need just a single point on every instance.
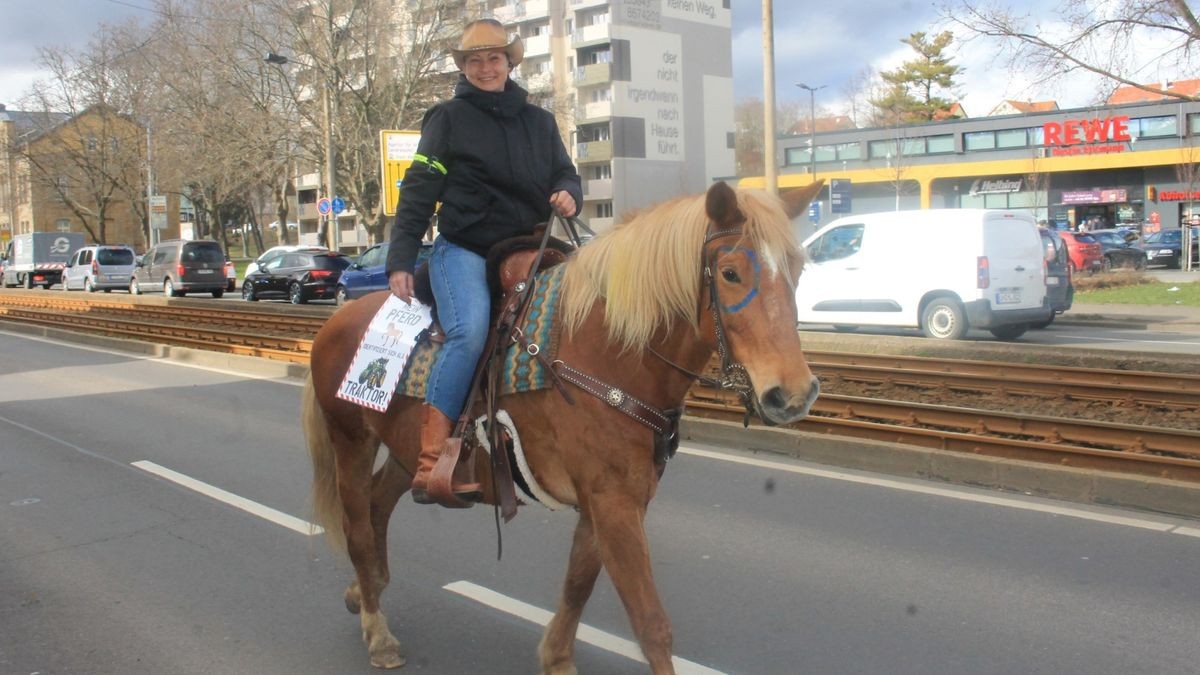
(1105, 134)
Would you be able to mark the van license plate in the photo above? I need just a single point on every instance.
(204, 271)
(1008, 296)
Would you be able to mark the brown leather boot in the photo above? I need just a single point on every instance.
(435, 431)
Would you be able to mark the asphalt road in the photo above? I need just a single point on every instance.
(767, 567)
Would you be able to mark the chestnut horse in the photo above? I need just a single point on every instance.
(636, 312)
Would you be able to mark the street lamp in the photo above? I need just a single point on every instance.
(334, 235)
(812, 124)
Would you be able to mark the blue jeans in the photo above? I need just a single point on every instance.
(459, 279)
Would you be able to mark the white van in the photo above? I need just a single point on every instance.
(940, 270)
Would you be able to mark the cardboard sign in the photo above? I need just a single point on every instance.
(383, 353)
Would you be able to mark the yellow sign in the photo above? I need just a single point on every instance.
(396, 150)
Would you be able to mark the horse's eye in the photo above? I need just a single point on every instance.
(729, 274)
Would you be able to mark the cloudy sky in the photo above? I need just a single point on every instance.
(825, 46)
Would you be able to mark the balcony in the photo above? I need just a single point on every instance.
(593, 111)
(538, 45)
(533, 9)
(539, 82)
(584, 4)
(599, 188)
(508, 13)
(594, 33)
(595, 151)
(593, 74)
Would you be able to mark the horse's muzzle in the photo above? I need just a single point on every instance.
(777, 407)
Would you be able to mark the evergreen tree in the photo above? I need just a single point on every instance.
(910, 91)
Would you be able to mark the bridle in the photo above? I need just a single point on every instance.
(734, 376)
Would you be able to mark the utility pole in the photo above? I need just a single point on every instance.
(768, 28)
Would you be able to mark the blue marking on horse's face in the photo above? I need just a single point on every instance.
(750, 254)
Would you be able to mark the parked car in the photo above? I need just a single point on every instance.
(1083, 251)
(297, 276)
(1165, 247)
(369, 272)
(1119, 249)
(99, 267)
(879, 269)
(276, 251)
(365, 275)
(1060, 291)
(180, 267)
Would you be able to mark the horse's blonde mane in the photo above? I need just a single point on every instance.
(647, 270)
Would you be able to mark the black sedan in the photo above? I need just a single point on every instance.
(1166, 247)
(1118, 250)
(298, 277)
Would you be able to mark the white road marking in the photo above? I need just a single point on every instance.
(586, 633)
(1008, 502)
(265, 512)
(281, 379)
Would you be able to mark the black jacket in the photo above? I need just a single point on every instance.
(502, 159)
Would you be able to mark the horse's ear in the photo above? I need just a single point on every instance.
(721, 206)
(797, 199)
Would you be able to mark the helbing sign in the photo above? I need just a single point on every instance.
(1087, 136)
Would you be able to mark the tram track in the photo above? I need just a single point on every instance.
(277, 332)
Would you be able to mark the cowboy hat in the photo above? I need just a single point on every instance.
(485, 34)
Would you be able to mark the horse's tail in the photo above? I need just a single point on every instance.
(326, 502)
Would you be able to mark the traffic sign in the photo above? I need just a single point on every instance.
(397, 149)
(323, 206)
(339, 205)
(814, 212)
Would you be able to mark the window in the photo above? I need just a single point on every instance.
(373, 257)
(979, 140)
(113, 145)
(881, 149)
(912, 146)
(848, 151)
(940, 144)
(600, 172)
(1012, 138)
(62, 225)
(1194, 124)
(826, 153)
(1037, 136)
(601, 95)
(795, 156)
(1153, 127)
(838, 243)
(604, 210)
(92, 144)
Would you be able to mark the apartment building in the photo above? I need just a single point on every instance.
(643, 89)
(62, 173)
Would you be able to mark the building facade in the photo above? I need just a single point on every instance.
(642, 88)
(1127, 164)
(79, 173)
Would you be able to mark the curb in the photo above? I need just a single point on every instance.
(1044, 480)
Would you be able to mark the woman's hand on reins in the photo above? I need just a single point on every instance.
(401, 284)
(563, 203)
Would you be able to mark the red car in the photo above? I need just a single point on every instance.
(1083, 251)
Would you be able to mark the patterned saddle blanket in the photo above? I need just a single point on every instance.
(521, 372)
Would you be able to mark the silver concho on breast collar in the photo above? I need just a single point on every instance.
(616, 397)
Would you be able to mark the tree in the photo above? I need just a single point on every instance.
(1096, 38)
(748, 138)
(910, 93)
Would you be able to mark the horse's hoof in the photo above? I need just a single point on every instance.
(388, 661)
(387, 655)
